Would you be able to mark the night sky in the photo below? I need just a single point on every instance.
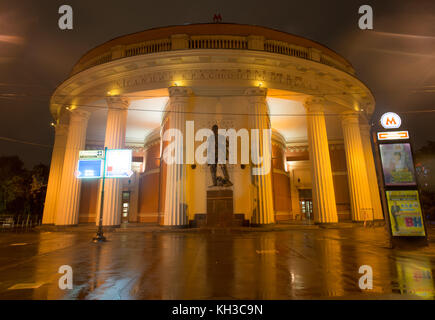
(396, 60)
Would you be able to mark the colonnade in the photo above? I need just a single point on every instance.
(62, 202)
(362, 178)
(63, 191)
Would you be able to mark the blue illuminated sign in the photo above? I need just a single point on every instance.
(89, 169)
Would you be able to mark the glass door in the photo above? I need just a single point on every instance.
(125, 206)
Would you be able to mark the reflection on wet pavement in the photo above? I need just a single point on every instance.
(295, 264)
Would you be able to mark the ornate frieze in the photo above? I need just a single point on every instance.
(283, 78)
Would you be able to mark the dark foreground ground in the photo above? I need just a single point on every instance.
(302, 263)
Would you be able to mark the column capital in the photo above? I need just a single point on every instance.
(177, 91)
(365, 128)
(117, 102)
(256, 92)
(349, 117)
(314, 104)
(79, 115)
(61, 129)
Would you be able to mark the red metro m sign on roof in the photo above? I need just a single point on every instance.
(391, 120)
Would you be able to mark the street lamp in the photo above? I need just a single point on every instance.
(100, 236)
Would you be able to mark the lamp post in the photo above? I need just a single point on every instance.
(100, 236)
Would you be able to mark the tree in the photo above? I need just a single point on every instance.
(15, 192)
(38, 188)
(10, 167)
(22, 191)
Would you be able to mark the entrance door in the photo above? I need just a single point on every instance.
(306, 203)
(125, 206)
(307, 208)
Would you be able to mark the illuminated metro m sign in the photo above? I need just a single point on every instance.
(391, 120)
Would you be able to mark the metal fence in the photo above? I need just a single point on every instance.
(19, 223)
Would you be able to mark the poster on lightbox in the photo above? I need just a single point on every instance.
(406, 218)
(118, 163)
(397, 164)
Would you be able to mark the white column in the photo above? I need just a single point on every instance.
(67, 211)
(324, 206)
(264, 213)
(175, 214)
(359, 190)
(371, 170)
(115, 139)
(55, 176)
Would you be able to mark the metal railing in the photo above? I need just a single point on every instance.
(286, 48)
(185, 42)
(148, 47)
(218, 42)
(19, 223)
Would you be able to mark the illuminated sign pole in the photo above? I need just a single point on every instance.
(100, 236)
(107, 163)
(399, 190)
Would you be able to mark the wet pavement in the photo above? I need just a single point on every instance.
(290, 264)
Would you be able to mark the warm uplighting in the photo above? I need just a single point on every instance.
(113, 92)
(178, 83)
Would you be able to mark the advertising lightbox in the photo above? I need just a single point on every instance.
(397, 164)
(89, 169)
(118, 163)
(90, 164)
(405, 213)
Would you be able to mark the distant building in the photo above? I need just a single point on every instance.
(126, 92)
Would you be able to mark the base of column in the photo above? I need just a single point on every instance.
(111, 226)
(262, 225)
(375, 222)
(65, 225)
(184, 226)
(328, 224)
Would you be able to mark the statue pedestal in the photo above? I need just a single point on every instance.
(219, 207)
(220, 210)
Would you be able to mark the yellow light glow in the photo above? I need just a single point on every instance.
(356, 107)
(179, 83)
(113, 92)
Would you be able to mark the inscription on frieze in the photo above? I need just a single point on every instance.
(287, 79)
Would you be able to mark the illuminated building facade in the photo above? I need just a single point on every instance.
(128, 91)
